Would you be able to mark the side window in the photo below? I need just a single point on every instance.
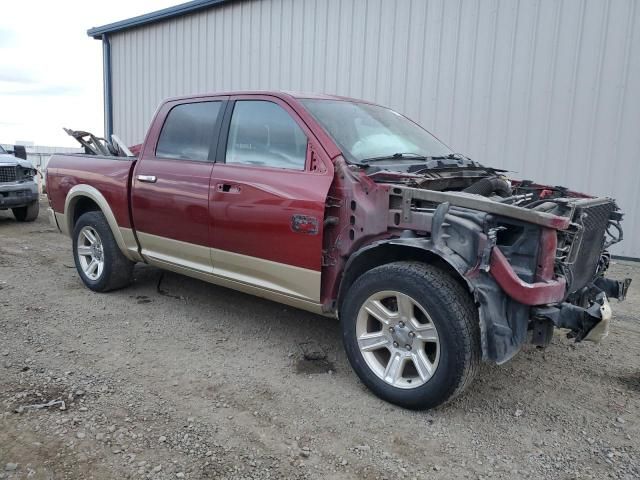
(263, 134)
(188, 130)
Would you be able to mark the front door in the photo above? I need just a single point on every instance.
(267, 204)
(170, 191)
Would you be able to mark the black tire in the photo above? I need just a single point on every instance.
(453, 313)
(27, 213)
(118, 269)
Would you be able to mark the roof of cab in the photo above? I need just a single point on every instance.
(283, 94)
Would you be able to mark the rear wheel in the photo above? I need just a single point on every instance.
(411, 333)
(27, 213)
(99, 261)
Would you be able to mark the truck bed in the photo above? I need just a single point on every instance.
(111, 176)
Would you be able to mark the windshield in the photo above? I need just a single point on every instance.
(364, 131)
(2, 150)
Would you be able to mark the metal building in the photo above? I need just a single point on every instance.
(549, 89)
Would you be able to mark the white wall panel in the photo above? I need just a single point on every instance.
(547, 88)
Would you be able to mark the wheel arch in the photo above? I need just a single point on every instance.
(389, 251)
(85, 198)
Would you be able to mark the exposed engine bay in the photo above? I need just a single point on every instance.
(498, 233)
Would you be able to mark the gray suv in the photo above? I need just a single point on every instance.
(18, 188)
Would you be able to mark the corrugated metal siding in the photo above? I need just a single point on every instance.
(548, 89)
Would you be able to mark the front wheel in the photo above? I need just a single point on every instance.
(99, 261)
(27, 213)
(411, 333)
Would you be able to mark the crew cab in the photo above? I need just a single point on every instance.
(431, 261)
(18, 188)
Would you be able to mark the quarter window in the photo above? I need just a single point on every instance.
(263, 134)
(188, 131)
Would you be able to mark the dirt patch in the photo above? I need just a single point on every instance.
(310, 367)
(632, 381)
(36, 399)
(181, 379)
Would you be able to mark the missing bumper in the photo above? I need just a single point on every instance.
(591, 324)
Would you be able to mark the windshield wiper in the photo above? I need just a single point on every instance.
(413, 156)
(395, 156)
(450, 156)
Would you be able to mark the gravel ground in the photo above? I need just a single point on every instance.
(190, 380)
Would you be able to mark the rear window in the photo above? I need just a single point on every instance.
(188, 131)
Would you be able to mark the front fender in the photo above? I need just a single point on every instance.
(465, 249)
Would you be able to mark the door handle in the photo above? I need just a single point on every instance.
(147, 178)
(228, 188)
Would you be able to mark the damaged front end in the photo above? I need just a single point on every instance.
(582, 257)
(533, 256)
(534, 261)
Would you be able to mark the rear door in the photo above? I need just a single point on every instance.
(268, 191)
(170, 192)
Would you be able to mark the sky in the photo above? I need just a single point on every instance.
(51, 71)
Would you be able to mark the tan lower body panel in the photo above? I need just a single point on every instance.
(302, 304)
(130, 243)
(286, 279)
(295, 286)
(167, 250)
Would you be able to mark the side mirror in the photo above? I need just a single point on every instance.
(20, 151)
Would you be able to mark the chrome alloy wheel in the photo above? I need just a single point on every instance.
(397, 339)
(90, 253)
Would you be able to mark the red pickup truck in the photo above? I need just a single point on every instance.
(432, 262)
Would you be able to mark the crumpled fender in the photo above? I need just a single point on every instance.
(462, 244)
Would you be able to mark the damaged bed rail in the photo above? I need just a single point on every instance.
(98, 145)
